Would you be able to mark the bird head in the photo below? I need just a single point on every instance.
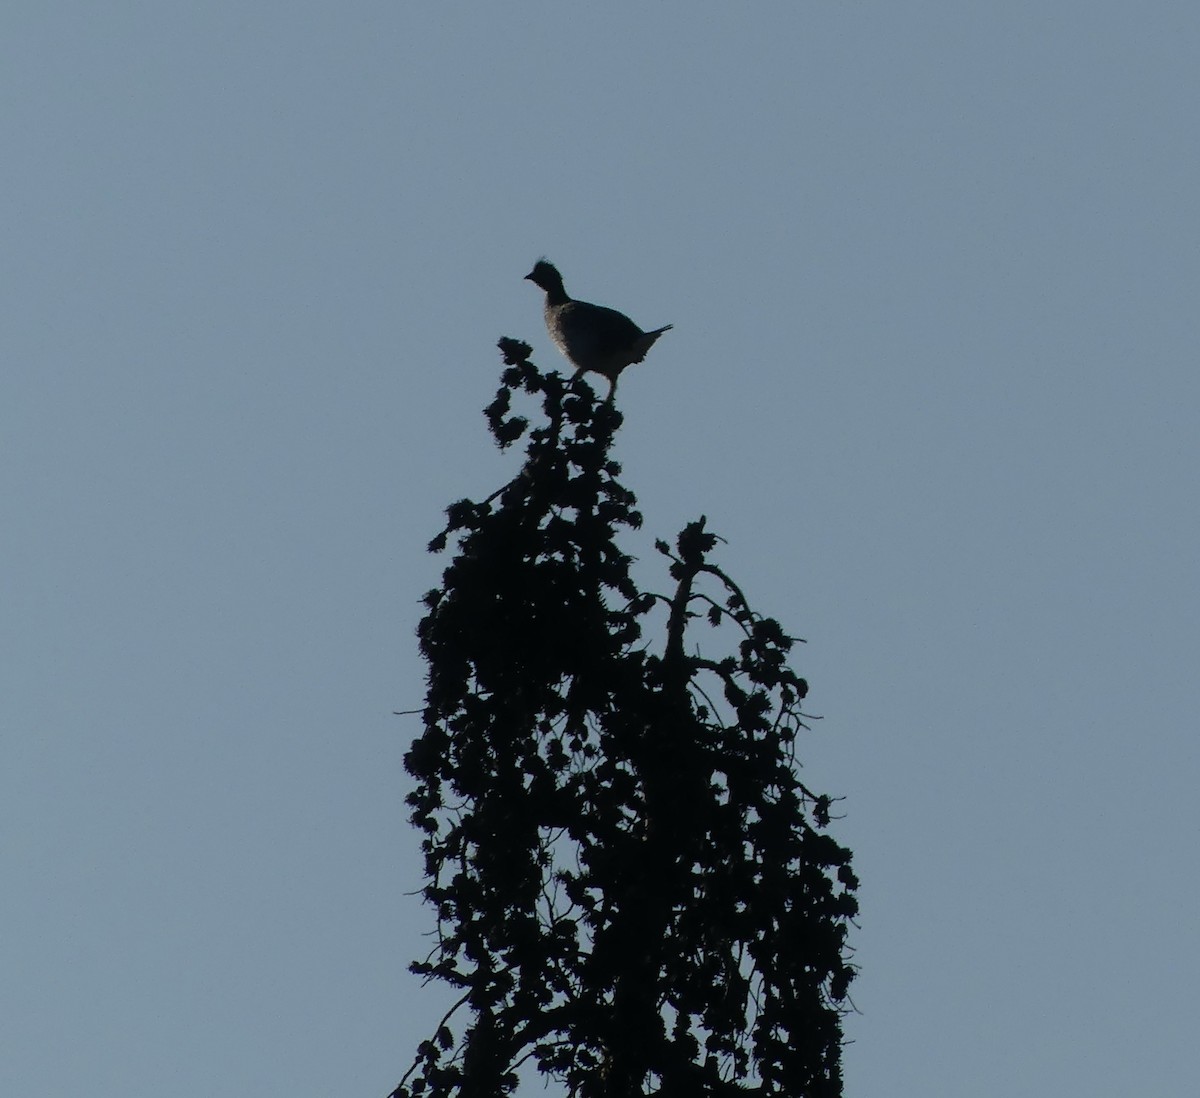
(545, 275)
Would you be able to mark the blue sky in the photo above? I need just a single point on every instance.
(932, 269)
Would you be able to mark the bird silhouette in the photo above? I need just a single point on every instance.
(593, 338)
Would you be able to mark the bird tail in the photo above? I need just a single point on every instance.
(646, 340)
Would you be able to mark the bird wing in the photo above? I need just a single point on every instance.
(592, 335)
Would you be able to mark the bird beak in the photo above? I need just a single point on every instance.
(529, 276)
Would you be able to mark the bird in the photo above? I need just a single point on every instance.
(592, 337)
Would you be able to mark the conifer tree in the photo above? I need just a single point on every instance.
(634, 892)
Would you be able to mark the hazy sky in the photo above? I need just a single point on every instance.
(933, 271)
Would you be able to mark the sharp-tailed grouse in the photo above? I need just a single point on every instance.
(592, 337)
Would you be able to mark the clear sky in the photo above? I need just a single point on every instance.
(933, 271)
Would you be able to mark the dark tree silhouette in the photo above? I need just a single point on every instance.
(635, 893)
